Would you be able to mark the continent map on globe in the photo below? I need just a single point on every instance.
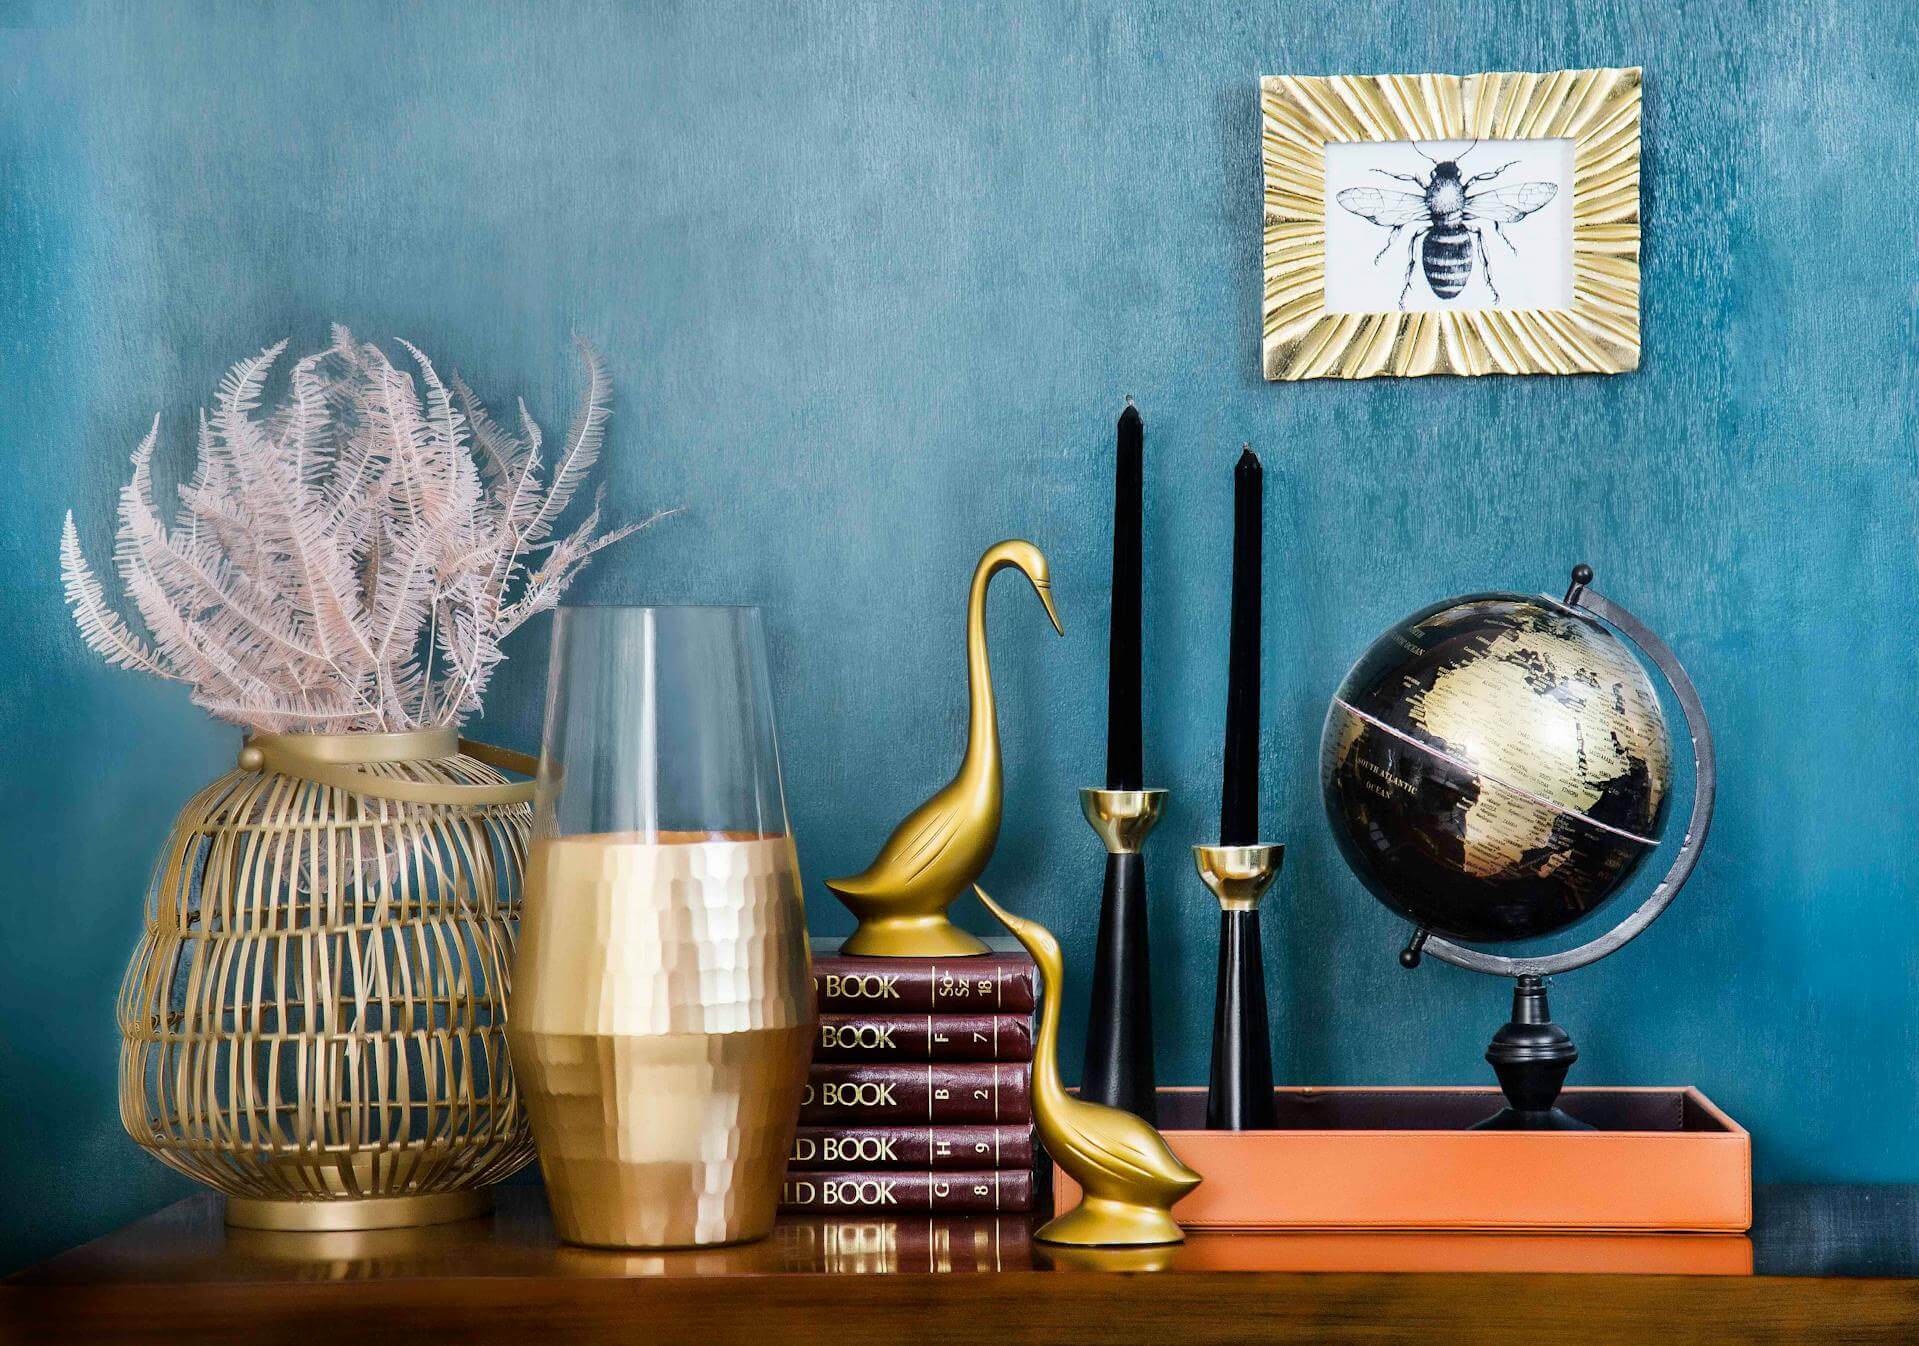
(1495, 767)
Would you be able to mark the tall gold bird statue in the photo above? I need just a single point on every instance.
(944, 844)
(1129, 1176)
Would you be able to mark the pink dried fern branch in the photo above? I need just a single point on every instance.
(350, 558)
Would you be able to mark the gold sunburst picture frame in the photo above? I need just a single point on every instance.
(1594, 112)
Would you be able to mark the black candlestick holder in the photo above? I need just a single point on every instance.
(1119, 1031)
(1239, 1094)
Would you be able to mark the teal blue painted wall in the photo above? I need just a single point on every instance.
(872, 280)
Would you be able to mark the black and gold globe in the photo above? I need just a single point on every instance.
(1496, 766)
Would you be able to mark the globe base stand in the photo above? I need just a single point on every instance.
(1531, 1055)
(1512, 1119)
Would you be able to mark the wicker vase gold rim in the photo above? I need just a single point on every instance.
(335, 759)
(314, 1020)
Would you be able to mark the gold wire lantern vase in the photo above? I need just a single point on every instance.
(314, 1022)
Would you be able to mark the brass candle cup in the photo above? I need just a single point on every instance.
(1239, 875)
(1122, 818)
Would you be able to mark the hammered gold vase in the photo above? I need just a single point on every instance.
(313, 1022)
(663, 1002)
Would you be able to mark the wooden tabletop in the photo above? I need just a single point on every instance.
(1822, 1264)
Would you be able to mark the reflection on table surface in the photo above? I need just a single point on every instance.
(883, 1246)
(1816, 1231)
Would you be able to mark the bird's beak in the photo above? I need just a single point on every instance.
(1006, 918)
(1045, 592)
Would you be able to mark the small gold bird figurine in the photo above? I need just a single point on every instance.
(944, 844)
(1130, 1177)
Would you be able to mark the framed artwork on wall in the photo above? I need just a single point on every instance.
(1440, 224)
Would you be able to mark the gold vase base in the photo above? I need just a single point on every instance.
(1099, 1222)
(600, 1244)
(911, 937)
(332, 1216)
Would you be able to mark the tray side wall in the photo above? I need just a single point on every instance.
(1463, 1180)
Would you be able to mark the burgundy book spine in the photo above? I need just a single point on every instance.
(941, 1148)
(991, 983)
(924, 1037)
(907, 1193)
(868, 1095)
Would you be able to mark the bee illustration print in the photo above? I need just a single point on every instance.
(1447, 219)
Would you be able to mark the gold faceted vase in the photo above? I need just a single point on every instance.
(314, 1022)
(663, 1023)
(663, 1009)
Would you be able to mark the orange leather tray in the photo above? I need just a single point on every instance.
(1660, 1159)
(1586, 1253)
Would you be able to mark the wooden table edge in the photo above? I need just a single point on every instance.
(1195, 1308)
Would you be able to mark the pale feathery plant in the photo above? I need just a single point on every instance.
(352, 558)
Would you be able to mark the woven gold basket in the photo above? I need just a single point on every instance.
(314, 1022)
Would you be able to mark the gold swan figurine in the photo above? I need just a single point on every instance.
(944, 844)
(1129, 1176)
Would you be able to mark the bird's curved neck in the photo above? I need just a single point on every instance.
(982, 733)
(1048, 1092)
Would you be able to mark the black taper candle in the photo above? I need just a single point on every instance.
(1239, 792)
(1119, 1028)
(1125, 768)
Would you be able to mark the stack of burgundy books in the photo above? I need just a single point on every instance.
(920, 1098)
